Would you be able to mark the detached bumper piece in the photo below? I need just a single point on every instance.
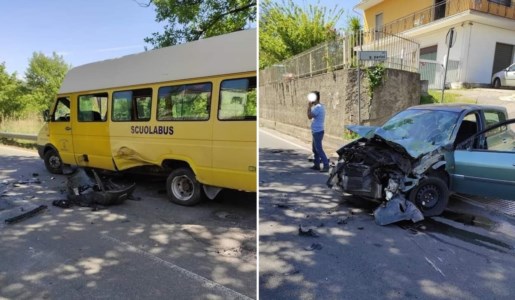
(90, 192)
(397, 209)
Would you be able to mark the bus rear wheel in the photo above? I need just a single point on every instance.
(183, 188)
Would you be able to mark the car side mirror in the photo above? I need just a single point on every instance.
(46, 115)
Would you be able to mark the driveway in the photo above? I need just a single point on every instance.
(500, 97)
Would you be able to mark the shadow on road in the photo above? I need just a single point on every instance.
(144, 248)
(351, 257)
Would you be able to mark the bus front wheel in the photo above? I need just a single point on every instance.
(53, 162)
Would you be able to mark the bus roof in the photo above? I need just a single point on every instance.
(226, 54)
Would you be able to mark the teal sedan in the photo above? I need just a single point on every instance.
(427, 152)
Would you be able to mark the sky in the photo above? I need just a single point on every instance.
(82, 31)
(85, 31)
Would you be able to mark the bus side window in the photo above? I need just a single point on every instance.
(188, 102)
(237, 99)
(93, 108)
(133, 105)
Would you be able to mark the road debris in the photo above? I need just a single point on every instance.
(307, 231)
(342, 220)
(314, 246)
(25, 214)
(397, 209)
(283, 206)
(27, 181)
(91, 192)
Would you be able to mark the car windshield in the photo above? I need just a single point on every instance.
(419, 131)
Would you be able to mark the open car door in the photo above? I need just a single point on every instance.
(484, 164)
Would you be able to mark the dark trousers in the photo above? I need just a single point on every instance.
(318, 151)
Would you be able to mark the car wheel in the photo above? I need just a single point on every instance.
(53, 162)
(431, 196)
(183, 188)
(497, 83)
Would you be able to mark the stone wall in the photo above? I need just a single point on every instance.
(283, 105)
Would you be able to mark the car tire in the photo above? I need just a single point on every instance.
(53, 162)
(431, 196)
(497, 83)
(183, 188)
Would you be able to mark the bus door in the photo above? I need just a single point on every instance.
(91, 132)
(234, 135)
(60, 130)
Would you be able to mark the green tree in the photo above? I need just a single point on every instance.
(10, 93)
(354, 31)
(286, 29)
(190, 20)
(43, 80)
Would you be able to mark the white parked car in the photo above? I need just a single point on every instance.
(505, 77)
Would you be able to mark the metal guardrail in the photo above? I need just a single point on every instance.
(21, 136)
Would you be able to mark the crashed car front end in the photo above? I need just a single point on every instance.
(388, 162)
(365, 167)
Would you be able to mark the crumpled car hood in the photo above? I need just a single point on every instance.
(407, 146)
(362, 131)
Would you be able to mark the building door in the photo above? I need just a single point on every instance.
(439, 9)
(429, 67)
(379, 27)
(503, 57)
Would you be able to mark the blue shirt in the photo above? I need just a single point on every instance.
(318, 113)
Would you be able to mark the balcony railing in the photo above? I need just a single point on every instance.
(446, 9)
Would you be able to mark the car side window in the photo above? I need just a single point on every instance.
(492, 118)
(511, 68)
(501, 140)
(467, 128)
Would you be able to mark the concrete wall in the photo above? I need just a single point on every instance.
(283, 105)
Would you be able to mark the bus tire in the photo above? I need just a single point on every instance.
(183, 188)
(53, 162)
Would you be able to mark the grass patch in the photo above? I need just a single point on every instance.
(435, 96)
(28, 125)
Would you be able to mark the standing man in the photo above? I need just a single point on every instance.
(316, 113)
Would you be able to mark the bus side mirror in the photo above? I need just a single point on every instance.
(46, 115)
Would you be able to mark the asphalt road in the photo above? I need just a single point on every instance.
(147, 248)
(467, 253)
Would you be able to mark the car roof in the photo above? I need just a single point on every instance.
(457, 107)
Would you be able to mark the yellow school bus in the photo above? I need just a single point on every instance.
(187, 110)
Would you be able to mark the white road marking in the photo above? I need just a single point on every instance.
(227, 293)
(286, 141)
(434, 266)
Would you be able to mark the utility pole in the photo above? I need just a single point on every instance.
(449, 40)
